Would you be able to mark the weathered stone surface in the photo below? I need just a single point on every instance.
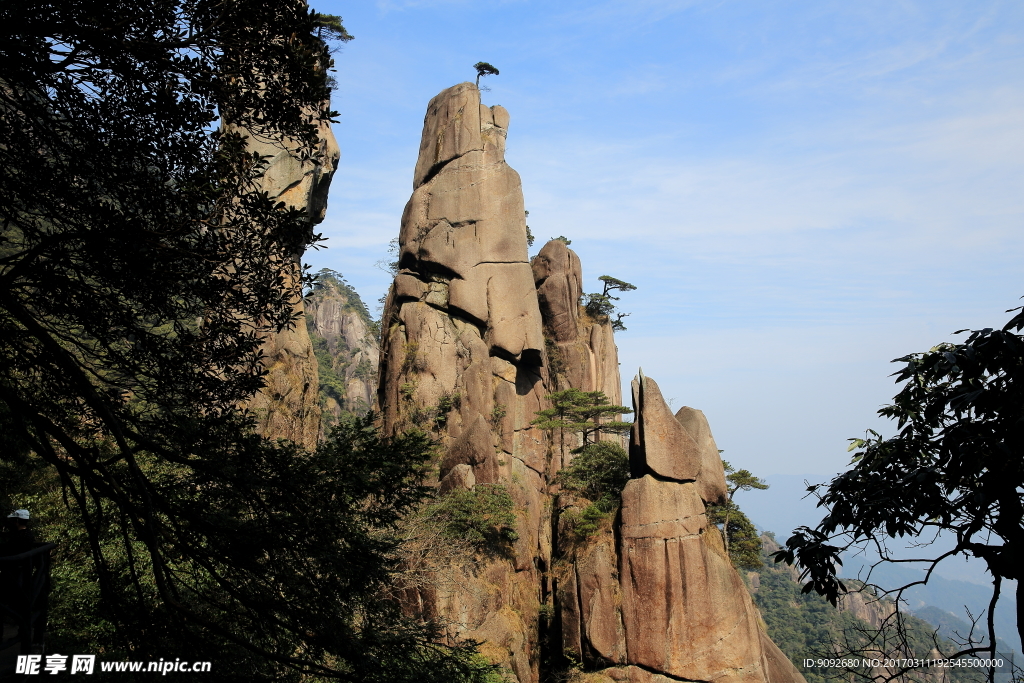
(686, 612)
(606, 363)
(559, 279)
(634, 674)
(652, 508)
(451, 128)
(459, 478)
(569, 607)
(288, 407)
(461, 358)
(711, 480)
(659, 443)
(599, 597)
(778, 668)
(337, 317)
(465, 222)
(474, 447)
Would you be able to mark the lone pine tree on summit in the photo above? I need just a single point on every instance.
(484, 69)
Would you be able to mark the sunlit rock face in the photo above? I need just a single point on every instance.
(462, 357)
(474, 337)
(669, 605)
(288, 407)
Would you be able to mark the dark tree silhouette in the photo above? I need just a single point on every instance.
(955, 466)
(484, 69)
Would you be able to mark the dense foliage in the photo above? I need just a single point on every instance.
(483, 516)
(598, 473)
(955, 465)
(292, 552)
(141, 268)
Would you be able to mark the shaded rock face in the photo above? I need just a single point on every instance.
(668, 604)
(345, 345)
(288, 407)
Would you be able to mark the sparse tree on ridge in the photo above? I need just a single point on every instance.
(737, 480)
(484, 69)
(599, 306)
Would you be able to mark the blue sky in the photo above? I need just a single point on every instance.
(801, 191)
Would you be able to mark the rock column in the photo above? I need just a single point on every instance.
(462, 357)
(666, 603)
(288, 407)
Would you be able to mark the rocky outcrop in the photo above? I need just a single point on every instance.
(581, 352)
(344, 342)
(288, 406)
(474, 338)
(670, 605)
(558, 276)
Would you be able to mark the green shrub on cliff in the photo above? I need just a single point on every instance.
(483, 516)
(599, 472)
(744, 541)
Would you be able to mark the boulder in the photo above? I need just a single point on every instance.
(711, 480)
(459, 478)
(659, 444)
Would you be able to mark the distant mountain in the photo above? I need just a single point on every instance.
(344, 340)
(786, 505)
(805, 626)
(954, 597)
(957, 630)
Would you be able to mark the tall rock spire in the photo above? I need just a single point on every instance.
(462, 357)
(474, 338)
(288, 406)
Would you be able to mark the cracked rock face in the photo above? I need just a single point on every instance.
(465, 224)
(664, 601)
